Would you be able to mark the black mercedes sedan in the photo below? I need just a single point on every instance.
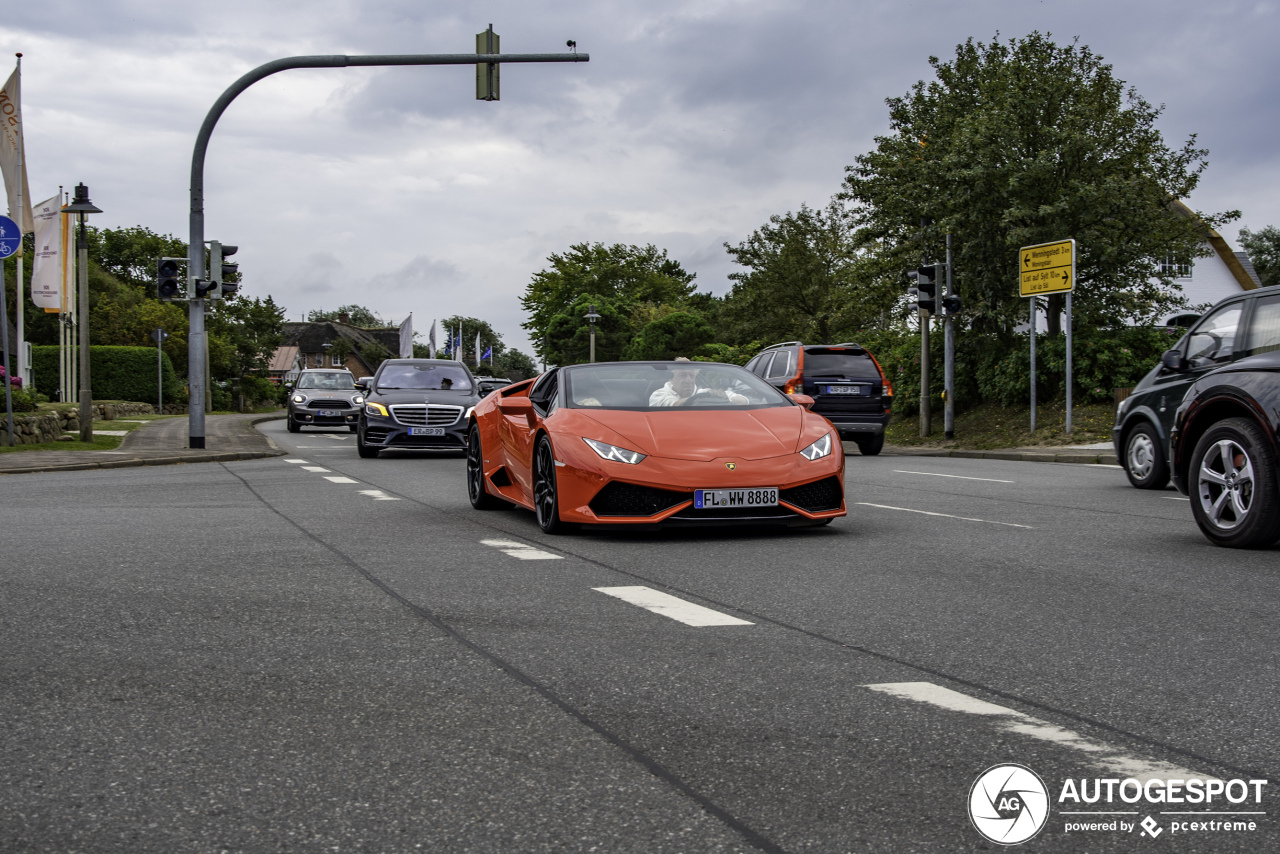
(1225, 445)
(416, 404)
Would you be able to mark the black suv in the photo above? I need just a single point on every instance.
(1225, 443)
(845, 381)
(1226, 333)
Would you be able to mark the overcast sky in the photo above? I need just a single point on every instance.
(692, 123)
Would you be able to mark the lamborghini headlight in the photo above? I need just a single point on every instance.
(614, 453)
(818, 449)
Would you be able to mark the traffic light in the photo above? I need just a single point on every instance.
(223, 276)
(925, 289)
(168, 282)
(951, 305)
(487, 72)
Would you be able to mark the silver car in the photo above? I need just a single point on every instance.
(327, 399)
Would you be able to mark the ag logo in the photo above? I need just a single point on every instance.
(1008, 804)
(731, 466)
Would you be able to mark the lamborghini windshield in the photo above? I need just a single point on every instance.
(667, 385)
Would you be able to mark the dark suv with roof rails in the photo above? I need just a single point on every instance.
(845, 381)
(1237, 327)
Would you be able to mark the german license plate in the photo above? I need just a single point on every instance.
(717, 499)
(848, 389)
(330, 413)
(426, 431)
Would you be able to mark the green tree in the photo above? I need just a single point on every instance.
(569, 333)
(250, 329)
(512, 361)
(804, 280)
(489, 337)
(1263, 248)
(358, 316)
(1023, 143)
(677, 334)
(622, 276)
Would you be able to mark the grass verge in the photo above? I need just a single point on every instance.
(990, 426)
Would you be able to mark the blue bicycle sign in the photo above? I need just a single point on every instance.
(10, 237)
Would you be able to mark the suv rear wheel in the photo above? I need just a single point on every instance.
(870, 445)
(1144, 462)
(1233, 489)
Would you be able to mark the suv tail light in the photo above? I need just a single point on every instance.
(884, 380)
(796, 383)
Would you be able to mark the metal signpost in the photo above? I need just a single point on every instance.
(10, 243)
(1048, 268)
(159, 335)
(195, 243)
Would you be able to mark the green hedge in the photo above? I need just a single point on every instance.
(115, 373)
(993, 370)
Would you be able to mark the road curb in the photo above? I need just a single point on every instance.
(1104, 458)
(228, 457)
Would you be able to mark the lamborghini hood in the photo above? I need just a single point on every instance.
(753, 434)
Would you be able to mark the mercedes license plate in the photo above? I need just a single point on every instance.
(718, 499)
(426, 431)
(330, 413)
(848, 389)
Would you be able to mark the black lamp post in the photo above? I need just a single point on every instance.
(82, 207)
(592, 317)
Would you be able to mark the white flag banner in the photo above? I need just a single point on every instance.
(477, 348)
(12, 164)
(431, 341)
(406, 337)
(46, 271)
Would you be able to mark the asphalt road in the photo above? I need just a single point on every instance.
(264, 656)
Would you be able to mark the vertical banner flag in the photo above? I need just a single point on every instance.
(11, 161)
(477, 348)
(406, 337)
(431, 341)
(46, 271)
(488, 354)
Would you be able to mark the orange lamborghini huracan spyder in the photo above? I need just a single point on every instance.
(654, 444)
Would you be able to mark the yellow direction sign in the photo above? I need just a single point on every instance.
(1047, 268)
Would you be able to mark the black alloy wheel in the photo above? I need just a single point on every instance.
(545, 500)
(362, 449)
(870, 446)
(1144, 461)
(1232, 482)
(480, 497)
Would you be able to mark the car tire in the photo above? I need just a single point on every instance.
(546, 497)
(364, 450)
(1143, 460)
(355, 429)
(1232, 484)
(870, 446)
(293, 426)
(480, 497)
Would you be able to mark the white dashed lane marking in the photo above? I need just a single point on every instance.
(295, 461)
(314, 468)
(1177, 498)
(378, 495)
(1009, 720)
(956, 476)
(943, 515)
(333, 479)
(671, 606)
(521, 551)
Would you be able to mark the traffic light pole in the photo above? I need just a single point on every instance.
(949, 358)
(925, 426)
(195, 245)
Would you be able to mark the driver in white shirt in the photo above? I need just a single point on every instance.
(683, 385)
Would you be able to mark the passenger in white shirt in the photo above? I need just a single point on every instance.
(684, 385)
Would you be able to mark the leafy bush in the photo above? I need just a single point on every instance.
(22, 400)
(115, 373)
